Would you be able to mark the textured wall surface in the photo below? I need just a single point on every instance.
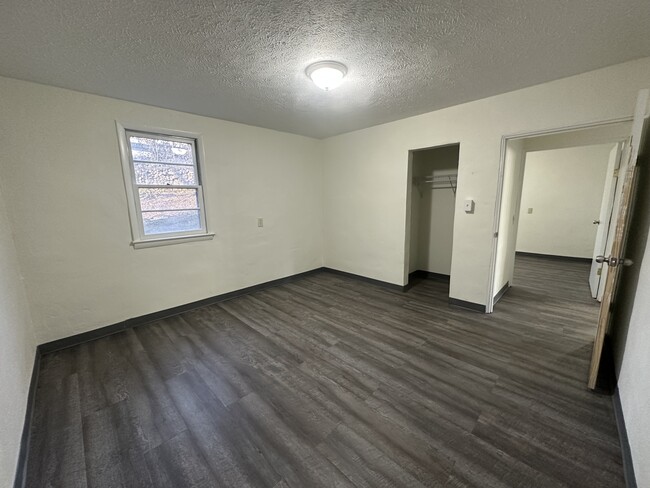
(244, 60)
(17, 348)
(64, 189)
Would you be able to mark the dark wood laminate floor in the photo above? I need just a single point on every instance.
(329, 381)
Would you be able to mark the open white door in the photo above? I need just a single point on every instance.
(620, 228)
(597, 274)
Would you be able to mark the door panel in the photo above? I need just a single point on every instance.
(623, 206)
(604, 218)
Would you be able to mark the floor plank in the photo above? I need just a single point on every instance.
(329, 381)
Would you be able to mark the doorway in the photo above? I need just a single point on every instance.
(557, 201)
(432, 192)
(633, 133)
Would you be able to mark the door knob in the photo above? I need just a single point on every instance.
(611, 260)
(596, 222)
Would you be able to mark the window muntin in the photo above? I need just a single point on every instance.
(166, 181)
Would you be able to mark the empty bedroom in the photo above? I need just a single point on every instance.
(284, 244)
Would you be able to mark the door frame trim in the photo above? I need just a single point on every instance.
(489, 307)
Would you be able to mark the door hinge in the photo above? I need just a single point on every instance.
(496, 234)
(616, 173)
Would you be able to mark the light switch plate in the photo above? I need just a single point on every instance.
(469, 206)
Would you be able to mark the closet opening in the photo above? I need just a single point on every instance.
(433, 176)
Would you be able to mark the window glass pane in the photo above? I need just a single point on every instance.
(161, 150)
(164, 174)
(168, 198)
(175, 221)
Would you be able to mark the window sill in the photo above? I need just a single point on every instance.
(166, 241)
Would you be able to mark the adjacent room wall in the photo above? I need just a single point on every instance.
(365, 172)
(432, 214)
(564, 188)
(66, 200)
(17, 349)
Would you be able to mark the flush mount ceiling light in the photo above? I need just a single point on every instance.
(326, 74)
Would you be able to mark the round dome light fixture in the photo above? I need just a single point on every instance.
(326, 74)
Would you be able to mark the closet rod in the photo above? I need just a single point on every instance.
(441, 182)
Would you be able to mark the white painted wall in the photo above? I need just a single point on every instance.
(513, 174)
(65, 195)
(564, 188)
(365, 172)
(432, 212)
(17, 349)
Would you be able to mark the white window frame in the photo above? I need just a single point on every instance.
(140, 239)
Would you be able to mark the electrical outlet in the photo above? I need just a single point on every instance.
(260, 222)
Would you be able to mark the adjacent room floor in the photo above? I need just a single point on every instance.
(329, 381)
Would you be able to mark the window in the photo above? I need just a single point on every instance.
(164, 186)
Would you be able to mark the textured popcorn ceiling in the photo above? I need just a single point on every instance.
(245, 60)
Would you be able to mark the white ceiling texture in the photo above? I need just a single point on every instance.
(245, 60)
